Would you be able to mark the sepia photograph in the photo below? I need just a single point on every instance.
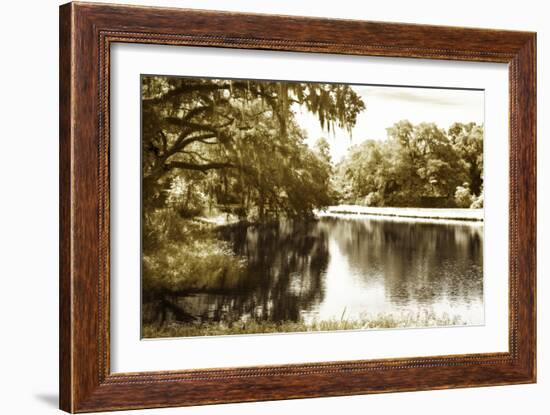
(277, 206)
(259, 205)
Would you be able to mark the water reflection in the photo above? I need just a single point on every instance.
(348, 267)
(386, 266)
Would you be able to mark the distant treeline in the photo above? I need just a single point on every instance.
(416, 166)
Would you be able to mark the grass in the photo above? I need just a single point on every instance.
(381, 321)
(181, 254)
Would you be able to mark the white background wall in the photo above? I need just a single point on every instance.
(29, 203)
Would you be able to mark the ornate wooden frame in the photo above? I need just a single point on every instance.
(86, 33)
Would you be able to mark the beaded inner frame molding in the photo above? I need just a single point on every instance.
(86, 33)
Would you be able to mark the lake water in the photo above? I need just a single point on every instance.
(350, 267)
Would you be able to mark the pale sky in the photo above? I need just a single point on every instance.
(387, 105)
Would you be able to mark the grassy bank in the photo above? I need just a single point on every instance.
(382, 321)
(418, 213)
(182, 254)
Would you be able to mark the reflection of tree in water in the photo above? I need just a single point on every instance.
(415, 262)
(283, 276)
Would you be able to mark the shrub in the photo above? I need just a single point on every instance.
(181, 255)
(200, 265)
(373, 199)
(463, 196)
(477, 201)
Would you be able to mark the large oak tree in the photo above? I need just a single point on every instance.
(239, 138)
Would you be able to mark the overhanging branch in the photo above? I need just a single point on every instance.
(198, 167)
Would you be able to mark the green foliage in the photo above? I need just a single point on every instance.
(416, 166)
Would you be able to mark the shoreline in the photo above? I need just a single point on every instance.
(427, 214)
(388, 321)
(474, 215)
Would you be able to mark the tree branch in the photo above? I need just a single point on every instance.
(196, 154)
(185, 89)
(198, 167)
(183, 142)
(164, 141)
(188, 88)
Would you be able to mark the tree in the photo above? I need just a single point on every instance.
(322, 149)
(463, 196)
(366, 171)
(241, 137)
(417, 165)
(467, 140)
(432, 166)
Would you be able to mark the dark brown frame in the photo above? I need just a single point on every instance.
(86, 33)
